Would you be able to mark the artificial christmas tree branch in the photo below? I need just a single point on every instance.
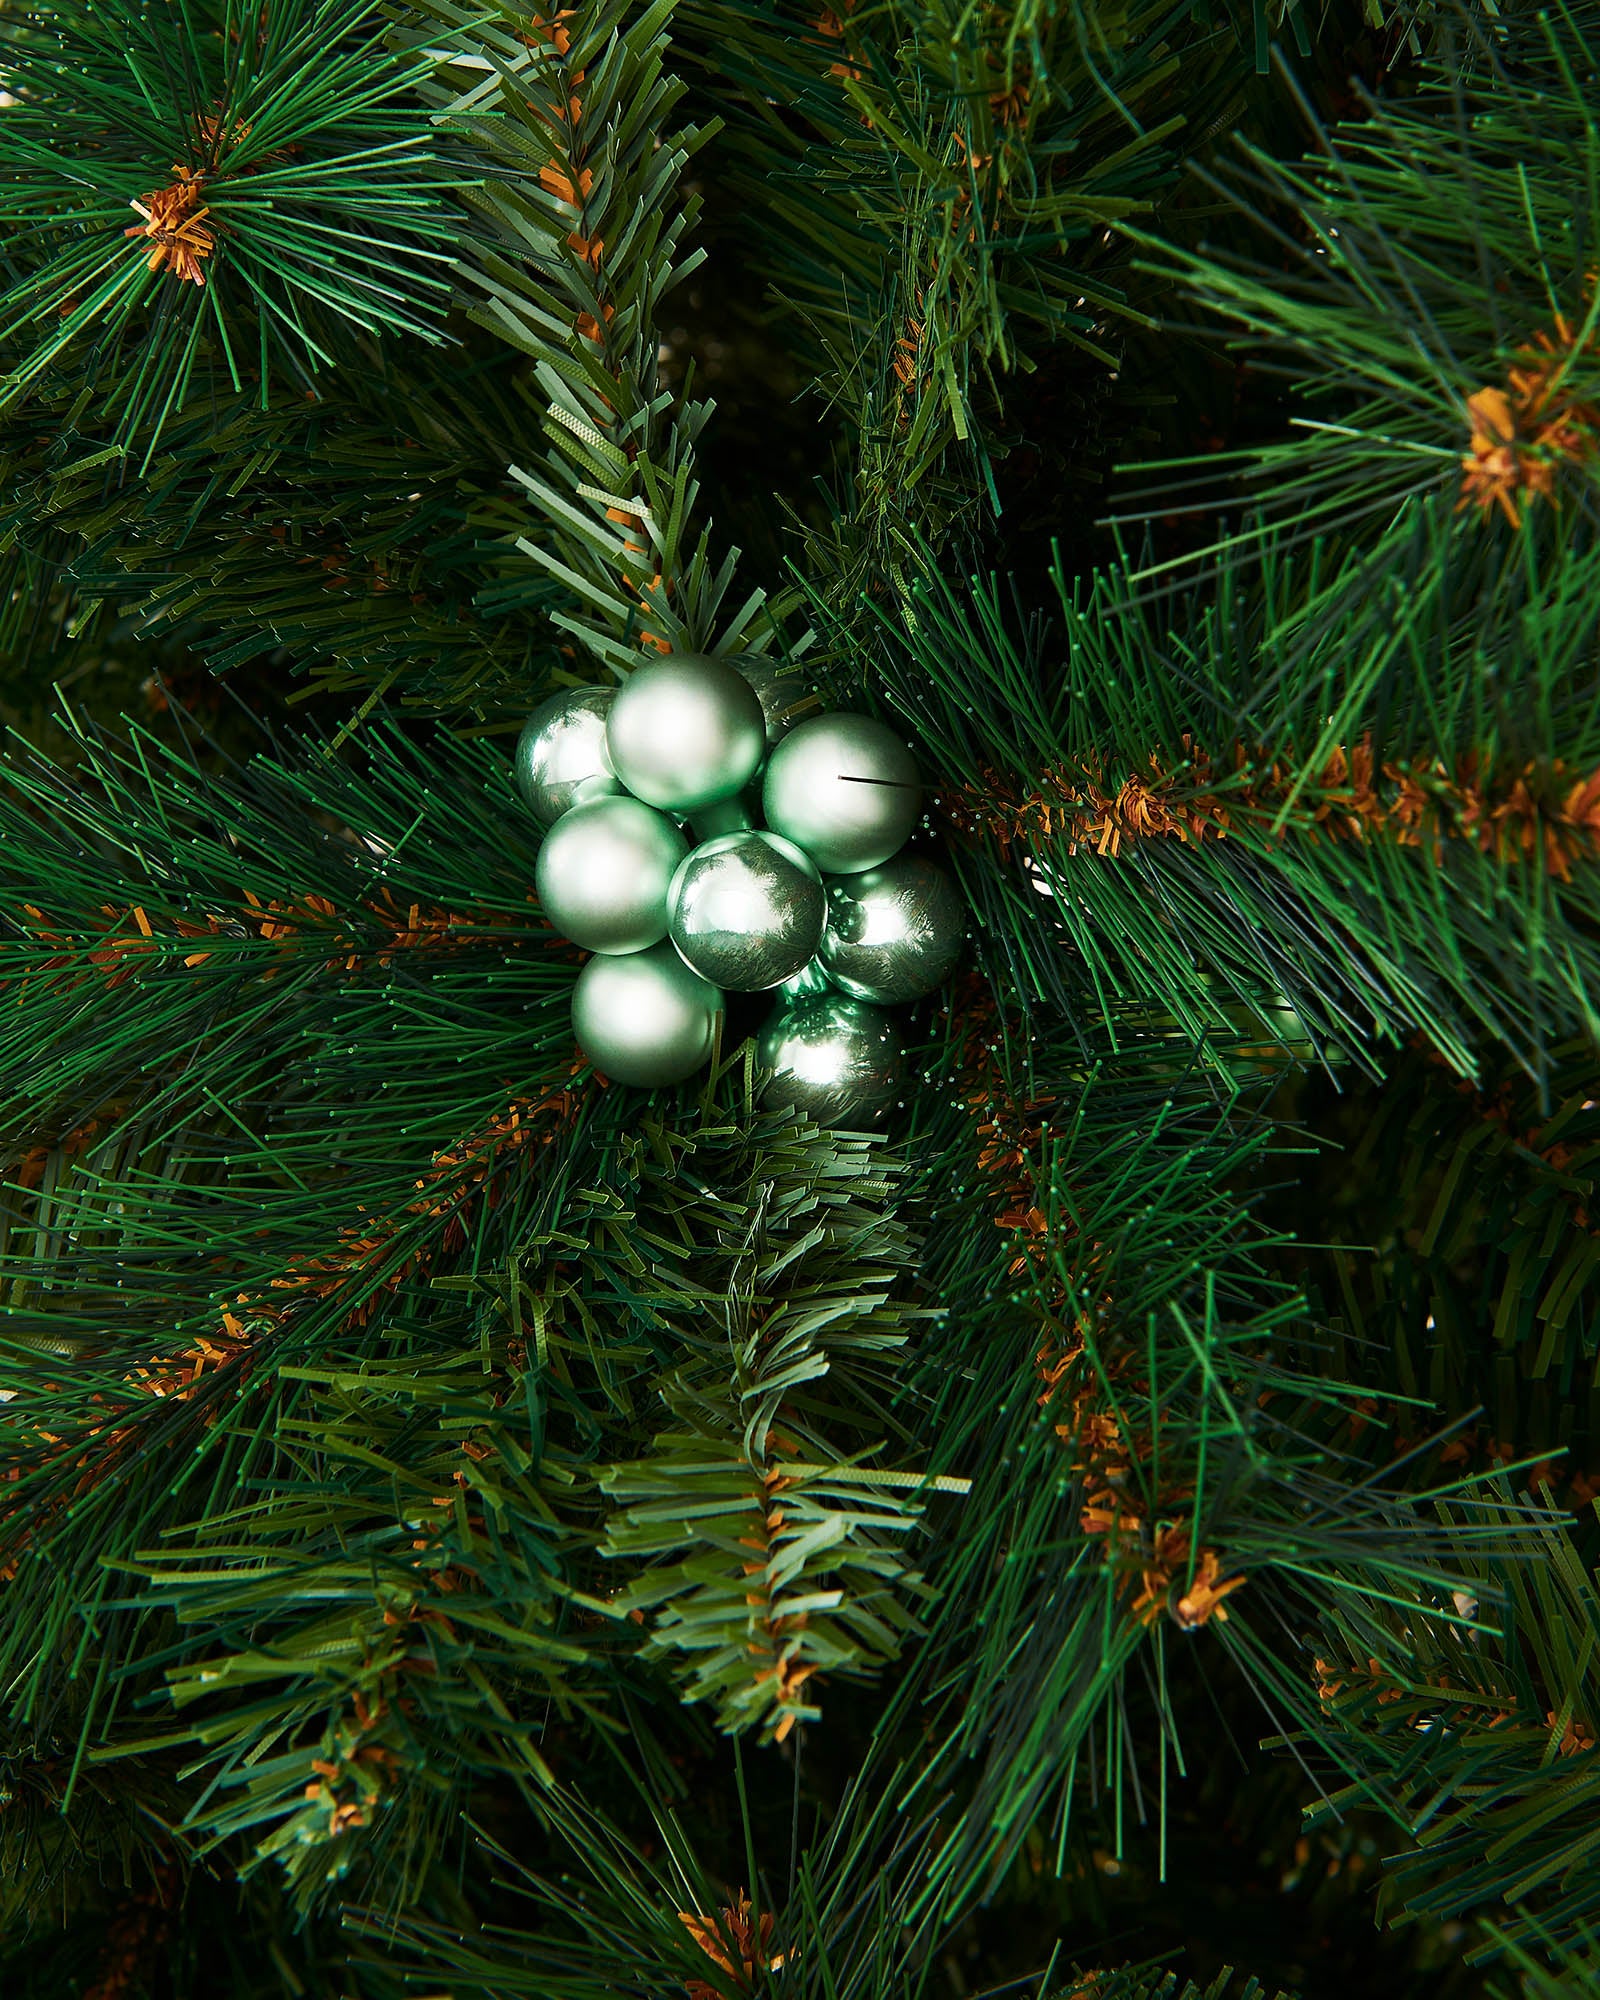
(600, 1539)
(581, 225)
(1153, 1439)
(937, 193)
(1437, 878)
(1489, 1745)
(1489, 1224)
(784, 1568)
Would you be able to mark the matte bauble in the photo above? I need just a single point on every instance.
(893, 932)
(745, 910)
(832, 1057)
(646, 1018)
(603, 874)
(685, 731)
(561, 756)
(844, 788)
(784, 697)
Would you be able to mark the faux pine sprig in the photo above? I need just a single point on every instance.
(204, 187)
(1424, 282)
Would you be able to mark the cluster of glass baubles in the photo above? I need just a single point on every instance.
(653, 861)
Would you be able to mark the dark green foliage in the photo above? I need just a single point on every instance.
(750, 1493)
(932, 192)
(1405, 264)
(1220, 1462)
(1459, 1243)
(307, 1344)
(351, 554)
(1446, 650)
(1483, 1743)
(1565, 1971)
(576, 245)
(392, 1630)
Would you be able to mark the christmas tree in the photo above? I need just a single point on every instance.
(1019, 1415)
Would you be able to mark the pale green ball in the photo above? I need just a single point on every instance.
(646, 1018)
(561, 756)
(893, 932)
(844, 788)
(745, 910)
(685, 731)
(835, 1058)
(603, 874)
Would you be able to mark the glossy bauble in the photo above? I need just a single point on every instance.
(603, 874)
(745, 910)
(561, 756)
(784, 697)
(685, 731)
(893, 932)
(646, 1018)
(844, 788)
(837, 1059)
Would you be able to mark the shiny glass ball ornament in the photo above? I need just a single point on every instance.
(561, 756)
(646, 1018)
(835, 1058)
(893, 932)
(844, 788)
(685, 731)
(603, 873)
(784, 697)
(745, 910)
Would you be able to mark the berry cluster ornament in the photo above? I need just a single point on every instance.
(652, 861)
(893, 932)
(844, 788)
(604, 871)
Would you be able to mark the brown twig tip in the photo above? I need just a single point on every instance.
(1524, 433)
(175, 222)
(831, 24)
(738, 1932)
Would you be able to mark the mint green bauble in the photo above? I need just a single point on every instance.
(603, 874)
(745, 910)
(645, 1018)
(844, 788)
(894, 932)
(561, 756)
(837, 1059)
(685, 731)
